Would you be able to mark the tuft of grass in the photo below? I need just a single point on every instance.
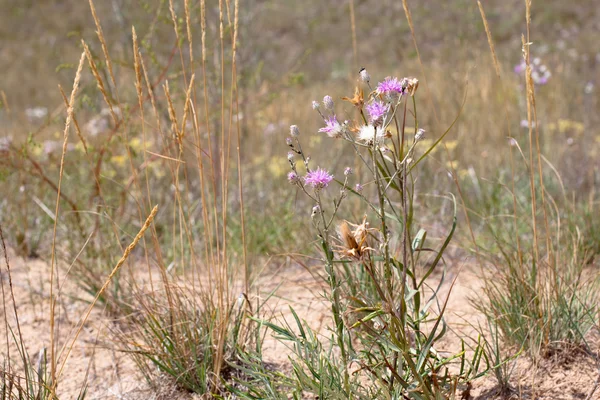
(540, 298)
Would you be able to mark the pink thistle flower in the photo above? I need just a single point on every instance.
(390, 84)
(332, 127)
(376, 111)
(391, 88)
(318, 179)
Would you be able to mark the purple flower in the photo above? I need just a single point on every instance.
(390, 86)
(358, 188)
(376, 111)
(332, 127)
(288, 141)
(348, 171)
(318, 179)
(293, 178)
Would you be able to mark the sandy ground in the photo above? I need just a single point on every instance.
(112, 375)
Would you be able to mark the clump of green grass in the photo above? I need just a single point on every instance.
(539, 298)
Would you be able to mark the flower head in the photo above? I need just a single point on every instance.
(293, 178)
(315, 105)
(318, 179)
(294, 131)
(392, 88)
(370, 135)
(376, 111)
(288, 141)
(332, 127)
(348, 171)
(328, 102)
(358, 188)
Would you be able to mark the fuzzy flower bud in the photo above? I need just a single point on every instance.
(293, 178)
(315, 105)
(364, 75)
(358, 188)
(290, 156)
(288, 141)
(315, 210)
(328, 102)
(294, 131)
(419, 135)
(348, 171)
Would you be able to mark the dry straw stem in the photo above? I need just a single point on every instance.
(77, 128)
(12, 296)
(118, 266)
(53, 252)
(4, 101)
(454, 175)
(103, 43)
(353, 26)
(512, 161)
(176, 28)
(99, 81)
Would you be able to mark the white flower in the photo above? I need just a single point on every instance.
(368, 133)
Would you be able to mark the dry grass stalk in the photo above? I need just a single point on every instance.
(512, 161)
(4, 101)
(103, 43)
(116, 269)
(99, 81)
(56, 211)
(75, 122)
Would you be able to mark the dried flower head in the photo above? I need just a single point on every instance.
(358, 100)
(288, 141)
(358, 188)
(315, 105)
(332, 127)
(318, 179)
(354, 241)
(412, 84)
(290, 156)
(348, 171)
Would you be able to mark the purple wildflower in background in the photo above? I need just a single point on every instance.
(376, 111)
(540, 74)
(318, 179)
(348, 171)
(332, 127)
(358, 188)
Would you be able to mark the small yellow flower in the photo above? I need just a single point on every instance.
(118, 160)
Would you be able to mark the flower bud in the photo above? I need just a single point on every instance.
(294, 131)
(328, 102)
(364, 75)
